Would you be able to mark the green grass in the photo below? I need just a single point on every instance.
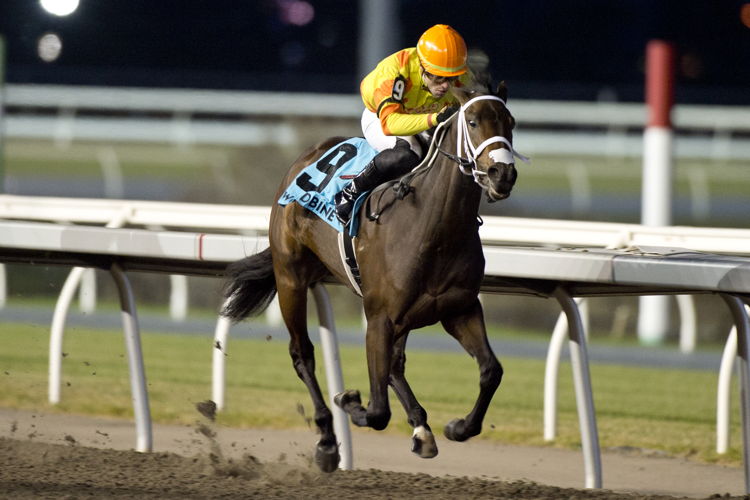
(622, 176)
(81, 159)
(617, 175)
(668, 410)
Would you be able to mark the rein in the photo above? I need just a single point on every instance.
(467, 165)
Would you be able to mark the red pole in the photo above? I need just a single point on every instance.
(656, 202)
(659, 83)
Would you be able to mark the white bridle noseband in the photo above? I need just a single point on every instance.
(464, 144)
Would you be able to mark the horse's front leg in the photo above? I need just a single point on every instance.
(422, 439)
(469, 329)
(379, 345)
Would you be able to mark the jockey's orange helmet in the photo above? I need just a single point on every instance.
(442, 51)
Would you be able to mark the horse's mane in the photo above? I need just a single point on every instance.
(471, 89)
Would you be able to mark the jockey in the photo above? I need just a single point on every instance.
(406, 94)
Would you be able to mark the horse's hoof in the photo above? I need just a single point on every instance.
(347, 398)
(423, 442)
(455, 430)
(327, 457)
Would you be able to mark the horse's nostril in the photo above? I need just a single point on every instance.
(502, 173)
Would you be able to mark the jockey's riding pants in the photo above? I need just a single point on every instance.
(397, 155)
(373, 132)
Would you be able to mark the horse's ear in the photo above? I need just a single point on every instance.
(502, 91)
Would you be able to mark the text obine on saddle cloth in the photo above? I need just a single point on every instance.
(316, 185)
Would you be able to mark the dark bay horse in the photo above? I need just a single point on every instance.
(421, 262)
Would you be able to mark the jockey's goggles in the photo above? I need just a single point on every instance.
(439, 79)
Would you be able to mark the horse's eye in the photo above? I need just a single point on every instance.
(472, 124)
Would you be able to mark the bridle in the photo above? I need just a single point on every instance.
(468, 164)
(465, 145)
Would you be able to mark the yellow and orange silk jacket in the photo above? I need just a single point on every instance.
(395, 92)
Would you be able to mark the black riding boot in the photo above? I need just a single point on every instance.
(346, 198)
(388, 164)
(345, 203)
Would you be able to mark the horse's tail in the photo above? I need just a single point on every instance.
(250, 286)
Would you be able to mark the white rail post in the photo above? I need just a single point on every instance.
(580, 187)
(273, 313)
(63, 134)
(656, 208)
(87, 292)
(551, 368)
(688, 323)
(114, 186)
(723, 392)
(742, 323)
(141, 410)
(3, 286)
(218, 377)
(584, 395)
(57, 329)
(334, 377)
(178, 297)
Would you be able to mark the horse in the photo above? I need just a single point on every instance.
(420, 262)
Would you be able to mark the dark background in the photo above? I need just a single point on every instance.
(544, 49)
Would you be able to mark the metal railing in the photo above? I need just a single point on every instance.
(572, 272)
(252, 118)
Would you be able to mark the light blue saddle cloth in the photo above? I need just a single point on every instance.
(315, 187)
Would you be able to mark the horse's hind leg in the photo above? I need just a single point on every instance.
(422, 440)
(469, 330)
(293, 302)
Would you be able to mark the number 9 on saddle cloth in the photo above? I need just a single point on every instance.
(316, 186)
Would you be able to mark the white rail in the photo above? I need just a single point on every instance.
(229, 117)
(499, 230)
(496, 231)
(558, 272)
(255, 220)
(119, 213)
(254, 103)
(232, 218)
(182, 101)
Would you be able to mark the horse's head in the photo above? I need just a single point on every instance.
(485, 139)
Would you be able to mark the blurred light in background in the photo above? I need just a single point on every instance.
(49, 47)
(60, 7)
(295, 12)
(745, 14)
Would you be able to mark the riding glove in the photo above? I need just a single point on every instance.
(446, 113)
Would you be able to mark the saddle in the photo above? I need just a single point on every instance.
(316, 186)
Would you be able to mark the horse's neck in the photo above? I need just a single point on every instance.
(453, 195)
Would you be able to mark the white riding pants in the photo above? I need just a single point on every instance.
(373, 133)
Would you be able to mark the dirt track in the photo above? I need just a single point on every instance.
(59, 456)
